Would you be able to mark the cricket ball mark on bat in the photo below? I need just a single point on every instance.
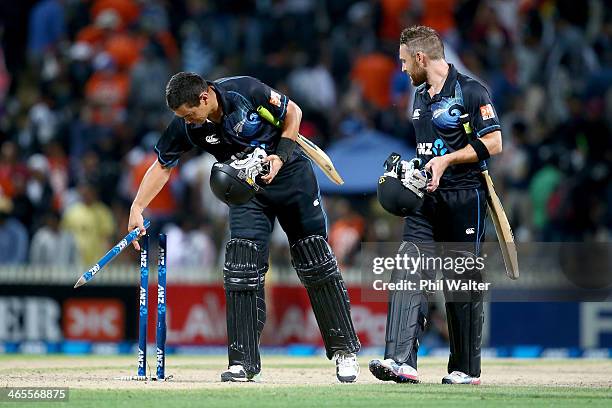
(311, 149)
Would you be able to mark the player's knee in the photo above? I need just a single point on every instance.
(465, 265)
(245, 266)
(314, 260)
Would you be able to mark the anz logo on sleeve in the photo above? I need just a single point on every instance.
(437, 148)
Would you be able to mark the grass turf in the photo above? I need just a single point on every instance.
(368, 395)
(373, 395)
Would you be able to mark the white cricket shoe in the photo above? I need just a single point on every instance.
(347, 368)
(237, 373)
(389, 370)
(458, 377)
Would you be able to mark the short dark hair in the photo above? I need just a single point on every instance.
(423, 39)
(184, 88)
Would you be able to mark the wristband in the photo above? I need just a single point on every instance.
(481, 150)
(285, 148)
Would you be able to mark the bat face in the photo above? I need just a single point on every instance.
(502, 229)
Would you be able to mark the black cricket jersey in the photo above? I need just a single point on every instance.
(240, 127)
(439, 130)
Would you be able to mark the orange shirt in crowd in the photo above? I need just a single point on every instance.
(373, 73)
(392, 11)
(439, 14)
(344, 235)
(128, 10)
(125, 49)
(92, 35)
(163, 203)
(107, 93)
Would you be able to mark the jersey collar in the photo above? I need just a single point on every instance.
(448, 89)
(220, 97)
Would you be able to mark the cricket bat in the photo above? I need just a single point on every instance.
(498, 215)
(311, 149)
(502, 229)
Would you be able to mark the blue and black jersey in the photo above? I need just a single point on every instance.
(240, 126)
(439, 130)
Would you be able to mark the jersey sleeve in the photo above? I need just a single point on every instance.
(173, 143)
(271, 99)
(483, 117)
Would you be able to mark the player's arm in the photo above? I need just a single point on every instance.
(170, 147)
(288, 142)
(153, 181)
(286, 112)
(491, 141)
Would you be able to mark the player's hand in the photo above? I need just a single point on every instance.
(436, 166)
(136, 221)
(275, 165)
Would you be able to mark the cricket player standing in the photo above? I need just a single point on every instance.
(221, 118)
(453, 209)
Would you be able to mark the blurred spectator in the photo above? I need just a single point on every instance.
(127, 10)
(94, 36)
(439, 15)
(38, 187)
(52, 245)
(107, 92)
(46, 27)
(190, 245)
(91, 223)
(391, 15)
(58, 172)
(346, 233)
(23, 209)
(124, 49)
(5, 77)
(542, 186)
(10, 167)
(43, 125)
(13, 236)
(312, 85)
(373, 73)
(147, 87)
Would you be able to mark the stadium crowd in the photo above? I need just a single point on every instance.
(82, 105)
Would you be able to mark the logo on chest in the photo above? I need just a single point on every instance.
(437, 148)
(245, 124)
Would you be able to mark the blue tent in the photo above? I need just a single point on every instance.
(359, 160)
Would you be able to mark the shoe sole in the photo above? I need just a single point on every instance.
(448, 381)
(386, 374)
(349, 379)
(227, 377)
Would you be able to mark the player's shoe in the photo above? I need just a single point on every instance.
(237, 373)
(458, 377)
(389, 370)
(347, 368)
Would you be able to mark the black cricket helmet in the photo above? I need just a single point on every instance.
(395, 198)
(230, 185)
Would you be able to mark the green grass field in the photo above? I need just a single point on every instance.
(308, 382)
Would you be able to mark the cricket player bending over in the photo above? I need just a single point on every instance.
(453, 208)
(221, 118)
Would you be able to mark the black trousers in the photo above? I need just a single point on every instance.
(449, 216)
(293, 197)
(455, 218)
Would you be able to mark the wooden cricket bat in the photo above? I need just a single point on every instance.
(502, 228)
(311, 149)
(321, 158)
